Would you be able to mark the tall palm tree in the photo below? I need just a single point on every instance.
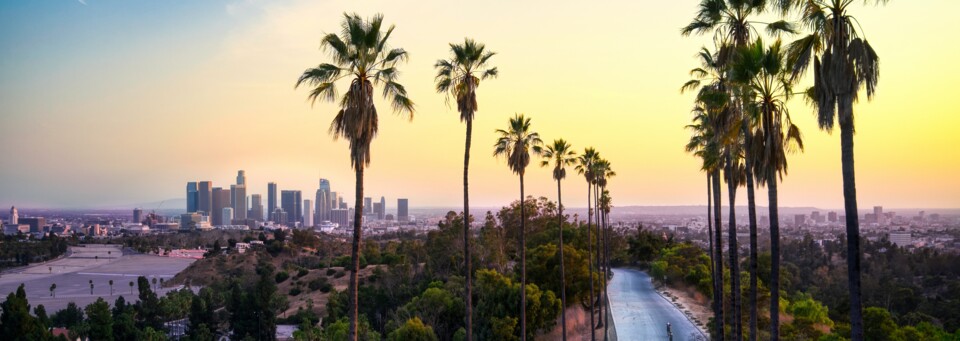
(604, 172)
(459, 77)
(360, 54)
(515, 145)
(585, 167)
(843, 63)
(711, 119)
(560, 154)
(768, 88)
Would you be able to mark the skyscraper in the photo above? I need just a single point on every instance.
(137, 215)
(14, 217)
(367, 205)
(241, 178)
(291, 203)
(205, 196)
(334, 201)
(878, 213)
(340, 217)
(238, 201)
(192, 196)
(307, 213)
(221, 199)
(323, 205)
(227, 216)
(256, 207)
(402, 210)
(377, 212)
(271, 198)
(383, 208)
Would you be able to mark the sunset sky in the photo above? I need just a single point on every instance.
(122, 102)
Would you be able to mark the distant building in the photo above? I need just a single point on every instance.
(221, 199)
(878, 214)
(340, 217)
(12, 229)
(901, 239)
(242, 247)
(832, 217)
(239, 201)
(403, 214)
(278, 216)
(241, 178)
(227, 216)
(190, 221)
(256, 207)
(205, 197)
(367, 205)
(193, 196)
(292, 203)
(307, 213)
(137, 215)
(14, 216)
(36, 223)
(271, 197)
(377, 212)
(383, 208)
(323, 201)
(799, 219)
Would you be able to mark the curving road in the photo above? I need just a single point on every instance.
(640, 313)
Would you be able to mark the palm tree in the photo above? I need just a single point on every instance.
(91, 287)
(711, 132)
(515, 145)
(111, 287)
(585, 167)
(53, 290)
(604, 172)
(459, 77)
(843, 63)
(154, 280)
(768, 88)
(131, 287)
(560, 154)
(361, 54)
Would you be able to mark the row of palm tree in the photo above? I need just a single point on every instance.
(741, 125)
(360, 55)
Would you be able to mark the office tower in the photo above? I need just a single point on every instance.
(256, 208)
(377, 211)
(279, 216)
(383, 208)
(343, 204)
(402, 210)
(340, 217)
(291, 203)
(334, 201)
(271, 198)
(307, 213)
(832, 217)
(14, 217)
(323, 201)
(238, 200)
(137, 215)
(205, 197)
(241, 178)
(190, 221)
(367, 205)
(192, 197)
(878, 214)
(799, 219)
(227, 216)
(221, 199)
(36, 223)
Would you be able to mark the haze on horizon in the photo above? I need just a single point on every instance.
(114, 103)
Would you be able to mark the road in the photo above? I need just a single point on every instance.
(640, 313)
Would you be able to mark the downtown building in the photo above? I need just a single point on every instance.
(292, 203)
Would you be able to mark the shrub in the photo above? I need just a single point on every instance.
(339, 274)
(331, 271)
(282, 276)
(294, 291)
(302, 272)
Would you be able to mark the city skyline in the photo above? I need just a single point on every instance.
(205, 101)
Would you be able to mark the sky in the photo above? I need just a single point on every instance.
(107, 103)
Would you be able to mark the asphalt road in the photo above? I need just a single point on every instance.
(640, 313)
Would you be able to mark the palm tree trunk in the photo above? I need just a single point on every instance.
(774, 256)
(603, 277)
(466, 231)
(563, 277)
(606, 274)
(718, 259)
(752, 213)
(710, 226)
(355, 256)
(593, 336)
(523, 264)
(736, 318)
(853, 220)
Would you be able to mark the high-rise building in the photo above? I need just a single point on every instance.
(190, 221)
(307, 213)
(241, 178)
(137, 215)
(292, 203)
(192, 196)
(799, 219)
(238, 201)
(334, 201)
(256, 207)
(221, 199)
(14, 216)
(383, 208)
(832, 217)
(878, 213)
(403, 210)
(367, 205)
(271, 198)
(205, 197)
(36, 223)
(323, 204)
(340, 217)
(377, 212)
(279, 216)
(227, 216)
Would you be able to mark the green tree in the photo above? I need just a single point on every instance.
(413, 330)
(148, 309)
(843, 63)
(100, 320)
(362, 55)
(878, 325)
(560, 154)
(16, 323)
(515, 144)
(68, 317)
(585, 167)
(460, 77)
